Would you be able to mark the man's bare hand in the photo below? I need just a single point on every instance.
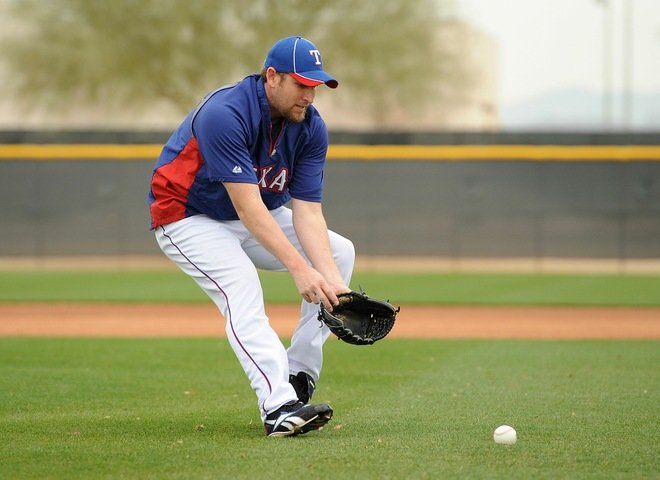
(315, 289)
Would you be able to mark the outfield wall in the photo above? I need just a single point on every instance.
(448, 195)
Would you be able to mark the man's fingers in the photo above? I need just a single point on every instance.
(332, 298)
(318, 291)
(324, 298)
(327, 305)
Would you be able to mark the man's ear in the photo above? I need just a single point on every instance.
(271, 73)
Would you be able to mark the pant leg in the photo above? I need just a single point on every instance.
(306, 350)
(210, 252)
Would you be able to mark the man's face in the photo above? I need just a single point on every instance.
(288, 98)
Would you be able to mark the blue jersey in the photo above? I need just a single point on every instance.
(229, 137)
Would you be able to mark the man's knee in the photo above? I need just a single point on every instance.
(344, 252)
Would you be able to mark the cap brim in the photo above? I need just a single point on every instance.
(314, 78)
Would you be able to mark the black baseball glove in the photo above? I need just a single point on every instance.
(358, 319)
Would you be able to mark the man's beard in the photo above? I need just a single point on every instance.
(292, 117)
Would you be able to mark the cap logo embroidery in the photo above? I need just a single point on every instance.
(317, 56)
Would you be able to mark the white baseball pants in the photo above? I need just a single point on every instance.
(223, 258)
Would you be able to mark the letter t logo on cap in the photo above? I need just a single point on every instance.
(317, 56)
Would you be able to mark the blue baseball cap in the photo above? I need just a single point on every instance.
(301, 59)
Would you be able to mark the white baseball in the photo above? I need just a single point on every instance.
(505, 435)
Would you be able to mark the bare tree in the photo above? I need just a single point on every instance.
(136, 52)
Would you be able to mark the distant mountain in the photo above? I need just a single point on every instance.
(575, 109)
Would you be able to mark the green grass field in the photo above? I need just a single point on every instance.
(410, 288)
(76, 408)
(182, 409)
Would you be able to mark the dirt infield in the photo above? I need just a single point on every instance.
(93, 320)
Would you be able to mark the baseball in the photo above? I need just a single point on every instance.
(505, 435)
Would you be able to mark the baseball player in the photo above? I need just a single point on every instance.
(238, 187)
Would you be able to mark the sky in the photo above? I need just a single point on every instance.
(546, 45)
